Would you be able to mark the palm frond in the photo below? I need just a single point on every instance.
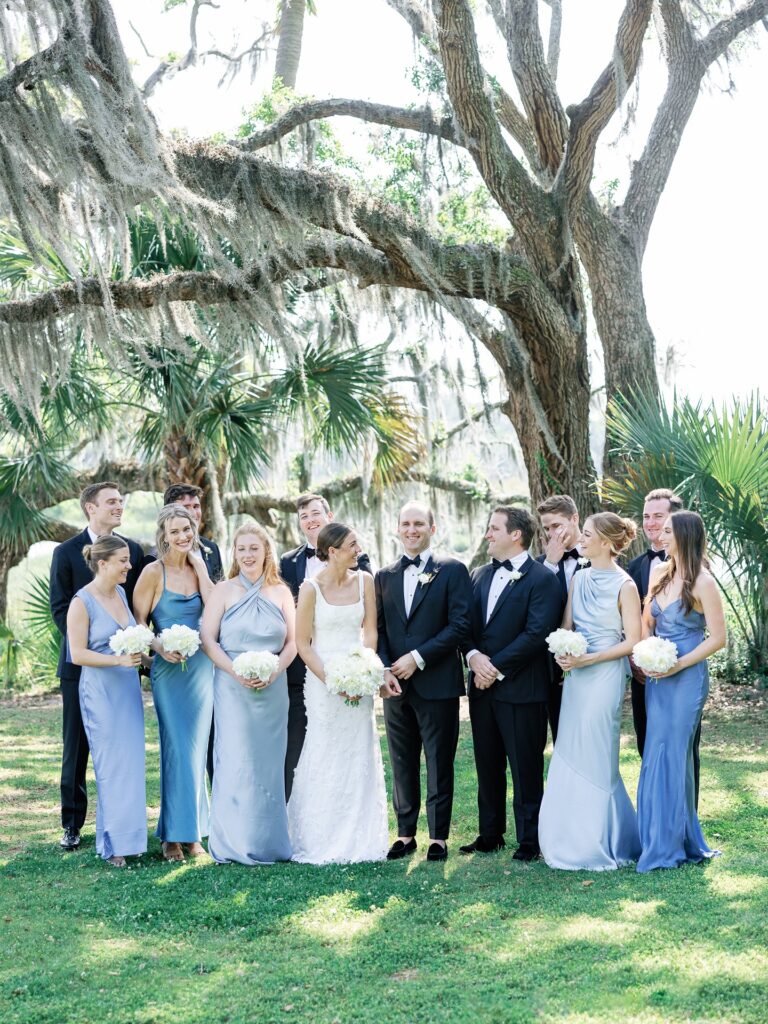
(40, 621)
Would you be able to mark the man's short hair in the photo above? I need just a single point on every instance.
(176, 492)
(305, 499)
(518, 519)
(89, 494)
(558, 505)
(665, 494)
(418, 504)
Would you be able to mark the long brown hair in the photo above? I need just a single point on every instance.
(691, 558)
(271, 574)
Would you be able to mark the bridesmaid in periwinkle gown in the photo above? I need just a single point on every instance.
(682, 601)
(587, 820)
(251, 611)
(171, 592)
(110, 701)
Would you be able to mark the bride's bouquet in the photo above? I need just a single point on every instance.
(183, 639)
(132, 640)
(655, 656)
(255, 664)
(567, 643)
(359, 673)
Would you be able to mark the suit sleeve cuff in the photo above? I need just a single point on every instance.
(419, 660)
(550, 566)
(471, 653)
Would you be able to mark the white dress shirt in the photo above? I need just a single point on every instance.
(410, 586)
(501, 578)
(570, 565)
(312, 567)
(94, 536)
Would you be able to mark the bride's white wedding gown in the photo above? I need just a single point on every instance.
(337, 813)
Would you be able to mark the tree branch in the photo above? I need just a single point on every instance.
(720, 37)
(39, 65)
(555, 32)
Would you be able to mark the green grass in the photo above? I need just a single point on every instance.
(473, 940)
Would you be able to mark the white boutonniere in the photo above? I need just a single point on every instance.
(582, 562)
(515, 575)
(424, 578)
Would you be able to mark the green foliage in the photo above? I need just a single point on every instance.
(9, 655)
(469, 215)
(41, 629)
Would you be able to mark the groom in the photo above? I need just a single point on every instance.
(516, 603)
(423, 604)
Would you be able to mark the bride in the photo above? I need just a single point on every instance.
(337, 813)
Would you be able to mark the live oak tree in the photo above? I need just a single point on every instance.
(79, 148)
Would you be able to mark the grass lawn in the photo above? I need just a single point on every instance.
(483, 939)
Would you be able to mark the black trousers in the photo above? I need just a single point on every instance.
(516, 734)
(412, 723)
(297, 730)
(209, 759)
(554, 701)
(74, 757)
(640, 722)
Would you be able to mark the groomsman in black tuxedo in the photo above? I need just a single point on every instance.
(295, 566)
(423, 605)
(102, 505)
(658, 505)
(516, 603)
(560, 522)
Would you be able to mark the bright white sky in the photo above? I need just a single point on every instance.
(705, 265)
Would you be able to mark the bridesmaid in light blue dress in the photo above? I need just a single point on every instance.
(110, 701)
(587, 820)
(670, 833)
(170, 592)
(251, 611)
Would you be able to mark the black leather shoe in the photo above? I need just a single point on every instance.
(524, 852)
(484, 844)
(437, 852)
(400, 849)
(71, 839)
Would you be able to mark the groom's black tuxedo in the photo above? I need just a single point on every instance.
(555, 696)
(69, 573)
(427, 713)
(293, 569)
(509, 720)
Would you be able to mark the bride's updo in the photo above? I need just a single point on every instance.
(331, 536)
(615, 530)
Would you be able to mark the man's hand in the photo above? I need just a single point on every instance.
(390, 687)
(484, 670)
(555, 548)
(404, 667)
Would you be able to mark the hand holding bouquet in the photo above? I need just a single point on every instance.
(566, 643)
(182, 640)
(655, 656)
(256, 665)
(355, 675)
(132, 641)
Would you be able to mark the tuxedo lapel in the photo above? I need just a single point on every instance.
(485, 590)
(421, 588)
(645, 574)
(504, 595)
(301, 564)
(398, 597)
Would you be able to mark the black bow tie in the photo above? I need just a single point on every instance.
(405, 561)
(661, 555)
(310, 552)
(506, 564)
(573, 553)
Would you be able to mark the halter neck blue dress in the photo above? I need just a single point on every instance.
(184, 704)
(113, 717)
(249, 822)
(670, 833)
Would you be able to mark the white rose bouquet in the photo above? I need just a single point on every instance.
(565, 643)
(183, 639)
(655, 656)
(357, 674)
(132, 640)
(255, 664)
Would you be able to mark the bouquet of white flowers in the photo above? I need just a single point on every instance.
(255, 664)
(132, 640)
(183, 639)
(358, 674)
(654, 656)
(567, 642)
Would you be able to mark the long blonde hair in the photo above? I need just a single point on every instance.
(271, 574)
(164, 516)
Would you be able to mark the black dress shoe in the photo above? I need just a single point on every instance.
(437, 852)
(525, 852)
(484, 844)
(71, 839)
(400, 849)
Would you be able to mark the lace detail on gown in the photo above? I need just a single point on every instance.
(337, 813)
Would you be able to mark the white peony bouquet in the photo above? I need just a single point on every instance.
(132, 640)
(655, 656)
(183, 639)
(567, 642)
(358, 674)
(255, 664)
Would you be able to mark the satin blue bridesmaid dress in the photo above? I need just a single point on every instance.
(587, 820)
(184, 706)
(113, 717)
(249, 821)
(670, 833)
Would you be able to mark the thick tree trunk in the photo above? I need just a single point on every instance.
(186, 463)
(291, 29)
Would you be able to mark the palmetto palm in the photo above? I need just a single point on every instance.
(717, 459)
